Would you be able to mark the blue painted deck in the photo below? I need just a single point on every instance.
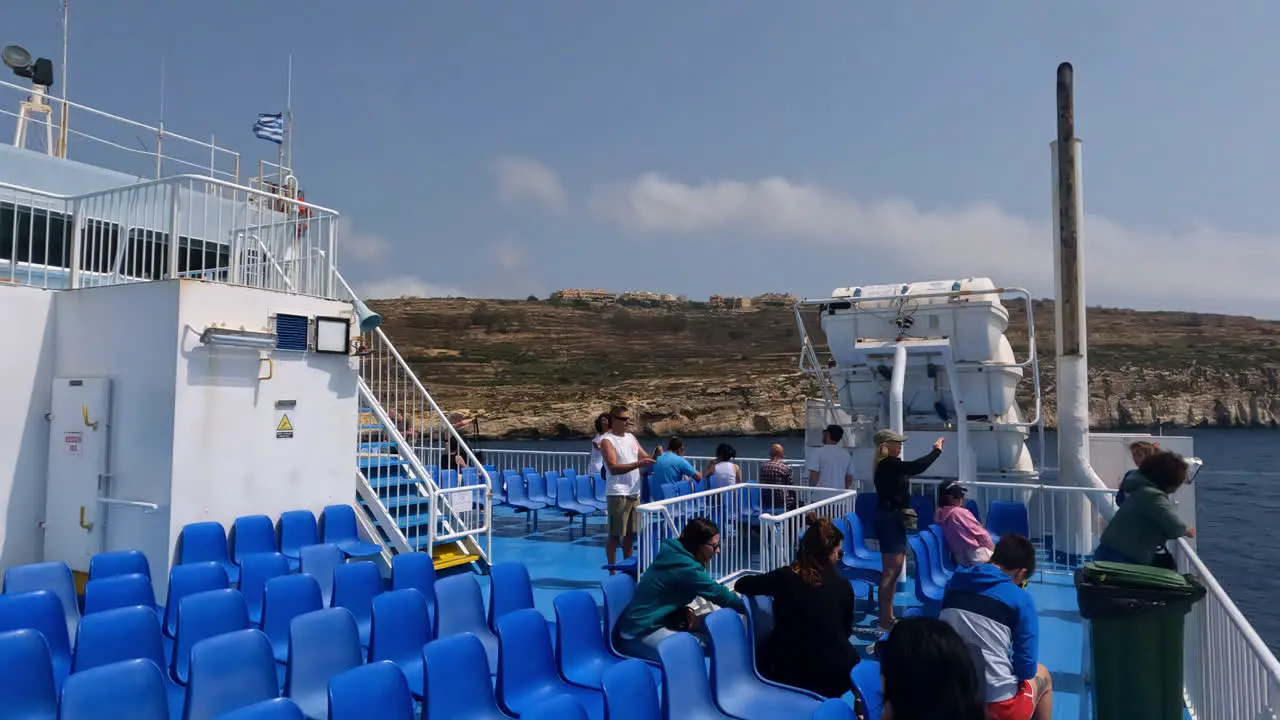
(558, 562)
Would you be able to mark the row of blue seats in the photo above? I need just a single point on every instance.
(324, 643)
(1003, 516)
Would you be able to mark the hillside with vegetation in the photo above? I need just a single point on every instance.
(539, 368)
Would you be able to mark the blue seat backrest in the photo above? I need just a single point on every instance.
(618, 591)
(401, 627)
(457, 679)
(252, 534)
(255, 570)
(118, 591)
(510, 589)
(228, 672)
(283, 599)
(133, 689)
(629, 692)
(1005, 517)
(54, 577)
(864, 506)
(321, 644)
(377, 690)
(118, 562)
(924, 507)
(26, 675)
(297, 529)
(415, 570)
(868, 687)
(39, 611)
(320, 562)
(187, 580)
(459, 606)
(686, 689)
(203, 542)
(112, 636)
(204, 615)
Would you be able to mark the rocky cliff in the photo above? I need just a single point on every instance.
(543, 369)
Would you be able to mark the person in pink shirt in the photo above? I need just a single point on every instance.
(967, 540)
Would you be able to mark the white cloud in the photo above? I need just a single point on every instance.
(509, 255)
(895, 235)
(367, 248)
(521, 178)
(406, 286)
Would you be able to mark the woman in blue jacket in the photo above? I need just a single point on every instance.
(678, 575)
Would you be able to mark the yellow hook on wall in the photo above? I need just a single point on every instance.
(84, 410)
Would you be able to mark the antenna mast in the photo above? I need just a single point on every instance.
(62, 131)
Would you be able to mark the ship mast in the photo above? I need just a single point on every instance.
(62, 130)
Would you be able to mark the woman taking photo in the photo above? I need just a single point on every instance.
(894, 516)
(812, 613)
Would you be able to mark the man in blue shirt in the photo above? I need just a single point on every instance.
(670, 467)
(990, 609)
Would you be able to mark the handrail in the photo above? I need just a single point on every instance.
(1211, 586)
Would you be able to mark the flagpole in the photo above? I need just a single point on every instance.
(288, 127)
(62, 132)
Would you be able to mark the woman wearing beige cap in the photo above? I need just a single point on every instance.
(894, 516)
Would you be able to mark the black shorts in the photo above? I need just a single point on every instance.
(890, 531)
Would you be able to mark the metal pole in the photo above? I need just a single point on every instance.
(1071, 293)
(62, 131)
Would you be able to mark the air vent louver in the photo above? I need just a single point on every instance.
(291, 332)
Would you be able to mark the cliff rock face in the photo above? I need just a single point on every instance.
(543, 369)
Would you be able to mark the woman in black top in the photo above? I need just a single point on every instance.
(893, 514)
(813, 615)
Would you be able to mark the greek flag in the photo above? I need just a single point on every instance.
(270, 126)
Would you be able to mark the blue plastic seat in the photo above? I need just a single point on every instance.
(298, 529)
(204, 615)
(527, 675)
(518, 497)
(581, 653)
(457, 683)
(935, 548)
(27, 684)
(283, 599)
(418, 571)
(559, 707)
(401, 628)
(376, 690)
(338, 525)
(118, 562)
(112, 636)
(54, 577)
(118, 591)
(536, 489)
(629, 692)
(686, 690)
(601, 487)
(944, 552)
(255, 570)
(40, 611)
(928, 592)
(128, 690)
(460, 609)
(925, 510)
(584, 493)
(834, 710)
(510, 589)
(320, 562)
(865, 506)
(617, 591)
(859, 562)
(355, 585)
(322, 644)
(735, 686)
(206, 542)
(250, 535)
(566, 500)
(187, 580)
(229, 672)
(1006, 517)
(972, 506)
(277, 709)
(868, 687)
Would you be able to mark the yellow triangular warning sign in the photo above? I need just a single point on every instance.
(285, 425)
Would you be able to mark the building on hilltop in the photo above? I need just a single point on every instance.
(728, 302)
(775, 300)
(649, 299)
(580, 295)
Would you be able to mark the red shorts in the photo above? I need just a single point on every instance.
(1018, 707)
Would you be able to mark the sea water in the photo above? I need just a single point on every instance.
(1237, 497)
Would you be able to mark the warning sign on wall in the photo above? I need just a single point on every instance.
(284, 430)
(73, 442)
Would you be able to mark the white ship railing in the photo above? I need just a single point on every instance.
(743, 549)
(402, 412)
(1229, 672)
(125, 141)
(559, 460)
(225, 233)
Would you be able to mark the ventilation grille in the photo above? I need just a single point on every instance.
(291, 332)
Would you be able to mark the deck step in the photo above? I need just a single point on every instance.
(450, 555)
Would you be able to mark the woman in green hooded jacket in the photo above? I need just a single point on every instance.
(678, 574)
(1148, 518)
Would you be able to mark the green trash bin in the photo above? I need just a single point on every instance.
(1136, 614)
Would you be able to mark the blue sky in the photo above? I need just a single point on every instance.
(509, 148)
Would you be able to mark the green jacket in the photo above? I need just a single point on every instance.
(1144, 522)
(672, 581)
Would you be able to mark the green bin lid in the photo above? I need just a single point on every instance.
(1134, 576)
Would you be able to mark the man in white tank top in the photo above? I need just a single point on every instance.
(624, 457)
